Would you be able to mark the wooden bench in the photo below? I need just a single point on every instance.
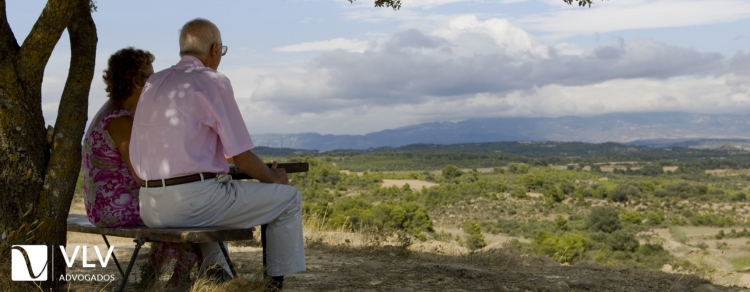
(142, 234)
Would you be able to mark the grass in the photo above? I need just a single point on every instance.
(740, 263)
(678, 234)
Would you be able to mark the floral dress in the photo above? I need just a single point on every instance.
(111, 193)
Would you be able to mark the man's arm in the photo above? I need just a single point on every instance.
(250, 164)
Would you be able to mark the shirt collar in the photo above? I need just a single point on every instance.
(188, 60)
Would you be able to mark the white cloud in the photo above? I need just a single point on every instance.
(471, 68)
(511, 39)
(351, 45)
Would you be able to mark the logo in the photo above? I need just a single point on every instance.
(28, 262)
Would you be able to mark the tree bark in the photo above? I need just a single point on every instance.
(37, 178)
(65, 161)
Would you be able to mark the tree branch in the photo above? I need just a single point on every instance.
(38, 45)
(65, 162)
(395, 4)
(8, 44)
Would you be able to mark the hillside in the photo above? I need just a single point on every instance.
(619, 127)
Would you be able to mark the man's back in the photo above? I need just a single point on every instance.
(185, 122)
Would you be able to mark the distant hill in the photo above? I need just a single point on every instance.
(728, 144)
(646, 129)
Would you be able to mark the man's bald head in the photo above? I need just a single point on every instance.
(197, 36)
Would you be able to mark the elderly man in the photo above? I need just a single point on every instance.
(187, 121)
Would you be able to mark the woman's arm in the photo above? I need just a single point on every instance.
(120, 129)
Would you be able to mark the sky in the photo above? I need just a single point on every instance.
(333, 67)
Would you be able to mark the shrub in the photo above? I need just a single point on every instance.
(623, 192)
(562, 248)
(561, 222)
(678, 234)
(518, 168)
(554, 194)
(655, 217)
(631, 217)
(603, 219)
(623, 240)
(651, 256)
(451, 171)
(475, 239)
(518, 193)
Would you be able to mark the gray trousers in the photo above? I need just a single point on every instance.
(240, 204)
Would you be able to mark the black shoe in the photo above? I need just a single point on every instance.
(274, 283)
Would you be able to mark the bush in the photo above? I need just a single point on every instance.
(518, 168)
(631, 217)
(623, 192)
(678, 234)
(563, 248)
(603, 219)
(561, 222)
(475, 239)
(554, 194)
(451, 171)
(651, 256)
(623, 240)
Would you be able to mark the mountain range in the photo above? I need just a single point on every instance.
(659, 129)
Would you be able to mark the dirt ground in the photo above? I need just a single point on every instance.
(338, 261)
(413, 183)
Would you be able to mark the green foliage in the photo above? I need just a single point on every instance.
(655, 217)
(561, 222)
(678, 234)
(623, 192)
(474, 239)
(518, 168)
(564, 248)
(631, 217)
(554, 195)
(519, 193)
(711, 219)
(623, 240)
(359, 214)
(604, 219)
(451, 172)
(651, 256)
(395, 4)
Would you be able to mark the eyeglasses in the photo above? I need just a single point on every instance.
(224, 50)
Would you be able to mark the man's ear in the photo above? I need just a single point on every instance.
(215, 49)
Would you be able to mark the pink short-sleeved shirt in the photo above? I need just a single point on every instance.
(185, 122)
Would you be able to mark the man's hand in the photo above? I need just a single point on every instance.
(281, 176)
(250, 164)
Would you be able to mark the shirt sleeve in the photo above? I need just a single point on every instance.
(229, 123)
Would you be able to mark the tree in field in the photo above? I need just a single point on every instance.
(451, 172)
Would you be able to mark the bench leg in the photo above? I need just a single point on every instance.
(138, 243)
(263, 245)
(113, 256)
(226, 256)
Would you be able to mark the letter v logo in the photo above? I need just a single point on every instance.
(28, 262)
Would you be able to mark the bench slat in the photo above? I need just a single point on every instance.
(80, 223)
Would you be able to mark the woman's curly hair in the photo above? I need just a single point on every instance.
(123, 67)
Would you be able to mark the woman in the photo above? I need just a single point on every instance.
(109, 185)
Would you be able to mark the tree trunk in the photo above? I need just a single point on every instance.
(36, 185)
(65, 161)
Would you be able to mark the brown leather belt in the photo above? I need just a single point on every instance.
(175, 180)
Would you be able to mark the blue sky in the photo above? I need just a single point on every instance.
(338, 68)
